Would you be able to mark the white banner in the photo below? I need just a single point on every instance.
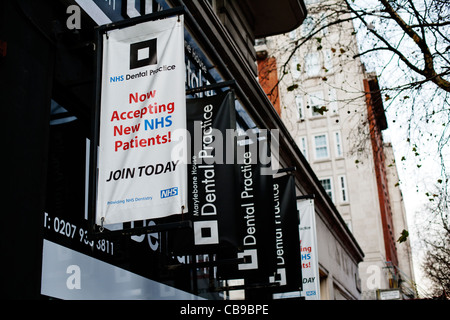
(308, 250)
(142, 122)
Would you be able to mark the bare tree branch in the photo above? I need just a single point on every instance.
(428, 71)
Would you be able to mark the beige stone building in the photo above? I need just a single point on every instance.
(332, 108)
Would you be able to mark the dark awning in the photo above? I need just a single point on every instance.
(276, 17)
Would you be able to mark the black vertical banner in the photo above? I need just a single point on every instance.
(212, 182)
(257, 233)
(287, 239)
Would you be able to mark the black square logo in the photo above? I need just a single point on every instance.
(206, 232)
(143, 54)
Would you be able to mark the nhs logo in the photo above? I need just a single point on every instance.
(116, 78)
(169, 192)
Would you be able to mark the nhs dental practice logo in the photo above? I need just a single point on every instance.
(143, 54)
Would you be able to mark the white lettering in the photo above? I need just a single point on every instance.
(74, 21)
(74, 280)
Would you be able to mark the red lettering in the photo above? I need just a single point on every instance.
(135, 98)
(143, 111)
(151, 94)
(129, 114)
(136, 142)
(114, 116)
(117, 145)
(119, 130)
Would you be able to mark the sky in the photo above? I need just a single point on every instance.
(413, 185)
(418, 174)
(417, 163)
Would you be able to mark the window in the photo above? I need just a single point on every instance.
(293, 34)
(312, 64)
(338, 144)
(319, 63)
(295, 67)
(348, 223)
(307, 25)
(299, 104)
(321, 147)
(324, 24)
(303, 144)
(316, 102)
(315, 22)
(343, 188)
(327, 185)
(332, 99)
(327, 60)
(260, 41)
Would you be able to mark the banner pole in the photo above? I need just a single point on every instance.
(289, 169)
(306, 196)
(214, 86)
(148, 17)
(208, 264)
(94, 134)
(248, 286)
(144, 230)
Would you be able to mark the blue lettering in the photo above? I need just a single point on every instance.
(116, 78)
(157, 123)
(168, 121)
(148, 124)
(169, 192)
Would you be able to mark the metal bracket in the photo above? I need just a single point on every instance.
(248, 286)
(144, 230)
(289, 169)
(208, 264)
(306, 196)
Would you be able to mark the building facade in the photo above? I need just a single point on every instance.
(48, 83)
(334, 111)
